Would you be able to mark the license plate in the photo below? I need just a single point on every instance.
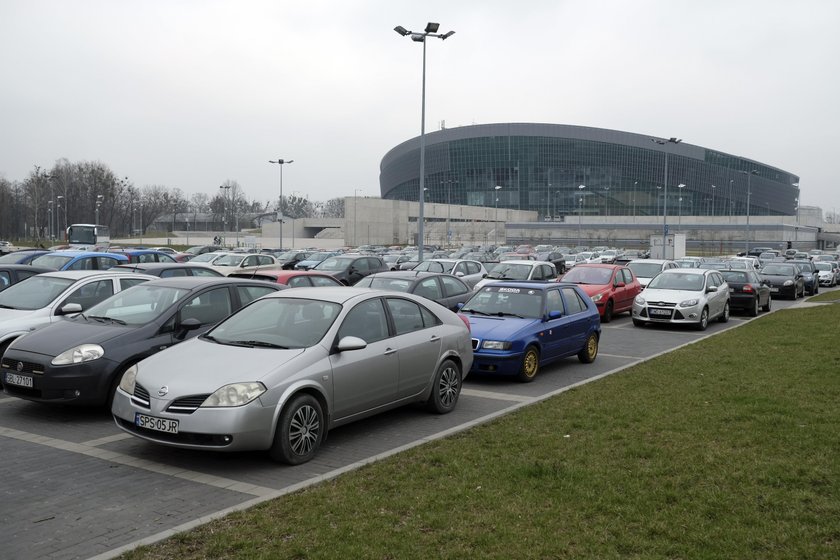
(158, 424)
(20, 380)
(774, 290)
(659, 312)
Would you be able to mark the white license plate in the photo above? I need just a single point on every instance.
(774, 290)
(158, 424)
(20, 380)
(659, 312)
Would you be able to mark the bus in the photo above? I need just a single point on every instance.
(88, 237)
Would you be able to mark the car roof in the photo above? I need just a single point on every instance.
(337, 294)
(192, 282)
(71, 253)
(409, 274)
(599, 265)
(160, 265)
(529, 262)
(654, 261)
(526, 284)
(36, 269)
(79, 274)
(696, 271)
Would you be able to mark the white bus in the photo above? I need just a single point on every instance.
(88, 237)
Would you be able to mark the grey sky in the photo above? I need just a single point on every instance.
(190, 93)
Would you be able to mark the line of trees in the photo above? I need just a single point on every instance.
(46, 201)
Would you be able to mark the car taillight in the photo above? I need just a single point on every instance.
(466, 322)
(747, 288)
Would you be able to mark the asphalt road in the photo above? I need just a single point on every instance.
(74, 486)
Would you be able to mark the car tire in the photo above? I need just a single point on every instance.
(704, 320)
(638, 323)
(608, 312)
(300, 430)
(590, 349)
(446, 387)
(530, 365)
(766, 307)
(724, 317)
(753, 311)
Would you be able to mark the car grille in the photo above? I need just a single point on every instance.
(23, 367)
(141, 396)
(187, 405)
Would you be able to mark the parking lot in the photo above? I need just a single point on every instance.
(77, 487)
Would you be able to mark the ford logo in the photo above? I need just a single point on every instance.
(162, 391)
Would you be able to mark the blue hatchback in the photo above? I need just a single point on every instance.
(79, 260)
(519, 326)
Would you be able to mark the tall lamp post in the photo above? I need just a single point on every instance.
(430, 31)
(635, 189)
(679, 224)
(713, 200)
(50, 221)
(580, 211)
(448, 208)
(281, 162)
(663, 142)
(497, 188)
(99, 199)
(355, 199)
(60, 202)
(749, 174)
(225, 188)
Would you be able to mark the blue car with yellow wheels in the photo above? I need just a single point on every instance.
(518, 327)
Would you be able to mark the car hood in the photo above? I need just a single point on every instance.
(669, 296)
(54, 339)
(593, 289)
(199, 366)
(13, 320)
(501, 328)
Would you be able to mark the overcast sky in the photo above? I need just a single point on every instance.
(191, 93)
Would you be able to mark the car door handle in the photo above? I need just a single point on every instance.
(389, 351)
(434, 338)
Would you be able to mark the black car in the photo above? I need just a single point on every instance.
(445, 289)
(785, 280)
(22, 257)
(555, 258)
(14, 273)
(170, 270)
(349, 269)
(810, 274)
(289, 259)
(747, 291)
(80, 360)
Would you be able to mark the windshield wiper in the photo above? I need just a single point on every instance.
(261, 343)
(471, 310)
(7, 306)
(508, 314)
(102, 319)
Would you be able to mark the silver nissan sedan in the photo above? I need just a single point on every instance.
(282, 371)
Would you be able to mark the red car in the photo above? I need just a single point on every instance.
(612, 287)
(291, 278)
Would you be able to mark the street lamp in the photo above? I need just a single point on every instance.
(731, 182)
(749, 174)
(448, 207)
(556, 194)
(225, 207)
(635, 189)
(59, 200)
(664, 143)
(713, 200)
(355, 199)
(580, 210)
(281, 162)
(430, 31)
(497, 188)
(99, 199)
(50, 220)
(679, 224)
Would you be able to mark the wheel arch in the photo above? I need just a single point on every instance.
(295, 390)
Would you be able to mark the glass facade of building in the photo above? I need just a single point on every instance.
(561, 170)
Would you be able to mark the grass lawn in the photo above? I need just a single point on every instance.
(728, 448)
(826, 297)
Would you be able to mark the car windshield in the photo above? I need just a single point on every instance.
(735, 276)
(36, 293)
(51, 261)
(385, 283)
(586, 275)
(138, 305)
(678, 281)
(508, 271)
(503, 301)
(277, 323)
(778, 270)
(688, 264)
(334, 263)
(434, 266)
(205, 258)
(229, 260)
(823, 266)
(645, 270)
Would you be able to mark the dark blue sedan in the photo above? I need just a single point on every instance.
(519, 326)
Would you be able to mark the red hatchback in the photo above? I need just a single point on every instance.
(612, 287)
(291, 278)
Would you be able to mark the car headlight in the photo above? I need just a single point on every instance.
(79, 354)
(689, 303)
(128, 379)
(788, 282)
(496, 345)
(235, 394)
(597, 297)
(639, 300)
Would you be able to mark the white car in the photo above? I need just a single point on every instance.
(519, 270)
(573, 259)
(471, 272)
(646, 269)
(827, 273)
(242, 263)
(45, 298)
(691, 296)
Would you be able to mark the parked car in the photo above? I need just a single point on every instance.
(785, 280)
(519, 270)
(14, 273)
(518, 327)
(612, 287)
(646, 269)
(441, 288)
(6, 247)
(555, 258)
(201, 249)
(169, 270)
(146, 256)
(242, 262)
(79, 260)
(313, 259)
(747, 291)
(290, 259)
(45, 298)
(81, 360)
(349, 268)
(690, 296)
(471, 272)
(809, 275)
(21, 257)
(827, 272)
(316, 359)
(292, 278)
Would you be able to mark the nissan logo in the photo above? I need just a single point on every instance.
(162, 391)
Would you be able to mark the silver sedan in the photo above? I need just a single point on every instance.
(282, 371)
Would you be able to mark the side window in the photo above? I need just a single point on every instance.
(82, 264)
(460, 267)
(627, 274)
(250, 261)
(165, 258)
(265, 260)
(452, 287)
(536, 273)
(129, 282)
(247, 294)
(548, 272)
(298, 281)
(173, 272)
(146, 258)
(104, 263)
(366, 321)
(90, 294)
(23, 275)
(573, 303)
(553, 301)
(209, 307)
(473, 268)
(406, 315)
(320, 281)
(429, 318)
(5, 279)
(204, 272)
(428, 288)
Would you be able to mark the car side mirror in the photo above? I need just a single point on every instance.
(620, 285)
(458, 306)
(711, 289)
(186, 326)
(349, 343)
(554, 314)
(70, 309)
(484, 275)
(459, 274)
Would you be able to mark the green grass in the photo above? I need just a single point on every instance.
(826, 297)
(728, 448)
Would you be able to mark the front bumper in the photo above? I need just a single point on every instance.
(496, 362)
(667, 314)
